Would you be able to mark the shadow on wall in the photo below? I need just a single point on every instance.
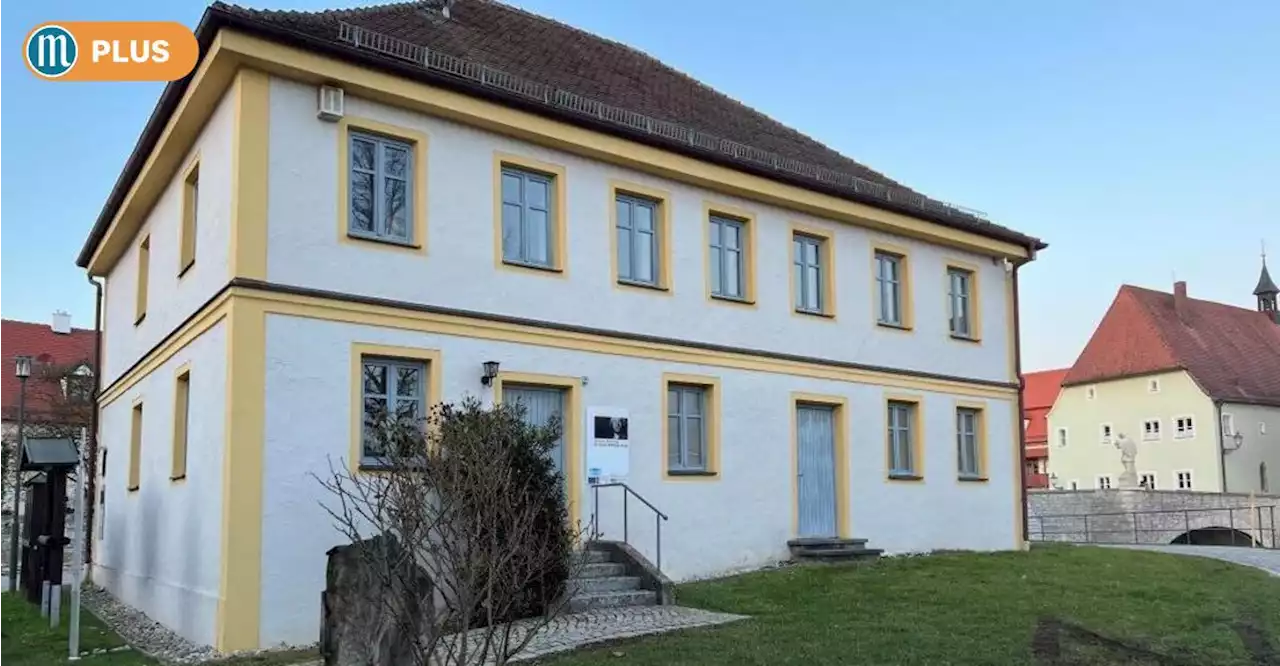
(1214, 536)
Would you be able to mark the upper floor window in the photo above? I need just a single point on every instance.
(809, 276)
(144, 272)
(728, 257)
(1184, 427)
(1153, 386)
(638, 240)
(1106, 433)
(890, 288)
(1151, 429)
(1228, 425)
(1184, 480)
(527, 229)
(960, 309)
(190, 218)
(1090, 392)
(381, 192)
(1062, 438)
(393, 391)
(1147, 481)
(1104, 482)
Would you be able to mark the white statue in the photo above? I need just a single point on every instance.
(1128, 457)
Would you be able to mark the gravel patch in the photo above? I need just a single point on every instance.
(141, 632)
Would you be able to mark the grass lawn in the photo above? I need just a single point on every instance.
(28, 641)
(1052, 606)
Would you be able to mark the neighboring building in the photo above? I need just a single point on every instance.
(803, 346)
(1039, 390)
(1195, 384)
(61, 374)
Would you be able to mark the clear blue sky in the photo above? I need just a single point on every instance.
(1141, 139)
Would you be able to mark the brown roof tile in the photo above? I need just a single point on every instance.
(1233, 353)
(47, 350)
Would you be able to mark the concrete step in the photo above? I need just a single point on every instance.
(592, 556)
(600, 585)
(837, 554)
(601, 570)
(825, 542)
(586, 602)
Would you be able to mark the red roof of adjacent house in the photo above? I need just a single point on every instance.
(46, 348)
(1039, 391)
(1233, 353)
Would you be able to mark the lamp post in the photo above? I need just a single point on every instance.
(21, 368)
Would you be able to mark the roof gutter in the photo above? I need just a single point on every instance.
(215, 18)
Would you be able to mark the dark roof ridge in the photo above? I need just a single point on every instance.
(337, 13)
(695, 81)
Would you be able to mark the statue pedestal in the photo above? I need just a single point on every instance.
(1127, 481)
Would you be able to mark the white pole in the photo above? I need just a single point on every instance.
(77, 549)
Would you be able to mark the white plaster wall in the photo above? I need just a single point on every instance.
(742, 520)
(1258, 447)
(1125, 404)
(170, 299)
(161, 546)
(459, 270)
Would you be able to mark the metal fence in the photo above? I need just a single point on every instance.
(1229, 526)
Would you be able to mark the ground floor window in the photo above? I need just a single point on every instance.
(1104, 482)
(1184, 480)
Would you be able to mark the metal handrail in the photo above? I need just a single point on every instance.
(658, 515)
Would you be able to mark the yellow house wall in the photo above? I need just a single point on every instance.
(1126, 404)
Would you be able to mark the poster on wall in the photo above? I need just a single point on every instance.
(608, 444)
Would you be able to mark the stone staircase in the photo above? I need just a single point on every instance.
(831, 549)
(612, 575)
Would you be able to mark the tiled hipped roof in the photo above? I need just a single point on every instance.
(46, 349)
(497, 36)
(1233, 353)
(1039, 391)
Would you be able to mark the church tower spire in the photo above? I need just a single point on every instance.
(1267, 291)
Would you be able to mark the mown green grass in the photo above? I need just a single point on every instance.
(968, 608)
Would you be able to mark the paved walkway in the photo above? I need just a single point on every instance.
(579, 629)
(1259, 558)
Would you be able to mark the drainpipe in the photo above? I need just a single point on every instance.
(1222, 444)
(1017, 368)
(91, 473)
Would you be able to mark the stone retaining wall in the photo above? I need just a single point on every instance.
(1148, 516)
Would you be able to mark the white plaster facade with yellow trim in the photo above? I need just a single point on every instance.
(271, 377)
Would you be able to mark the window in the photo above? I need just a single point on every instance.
(1090, 393)
(1184, 480)
(393, 391)
(1151, 430)
(1262, 427)
(1107, 432)
(1026, 423)
(1147, 481)
(904, 455)
(1184, 427)
(1228, 425)
(1062, 438)
(808, 278)
(381, 188)
(1075, 485)
(1103, 482)
(961, 305)
(190, 201)
(144, 269)
(641, 237)
(1264, 483)
(969, 442)
(891, 289)
(691, 440)
(1153, 386)
(686, 428)
(181, 414)
(530, 227)
(729, 257)
(135, 447)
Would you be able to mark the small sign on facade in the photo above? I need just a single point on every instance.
(609, 444)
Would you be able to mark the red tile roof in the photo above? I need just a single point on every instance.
(46, 348)
(1039, 391)
(1233, 353)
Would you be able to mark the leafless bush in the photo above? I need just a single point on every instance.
(461, 532)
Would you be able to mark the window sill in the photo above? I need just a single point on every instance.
(905, 477)
(550, 270)
(175, 479)
(733, 300)
(901, 328)
(629, 284)
(133, 489)
(966, 338)
(972, 479)
(815, 313)
(138, 319)
(183, 271)
(384, 242)
(691, 473)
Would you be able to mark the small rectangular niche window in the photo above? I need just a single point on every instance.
(1153, 386)
(1107, 432)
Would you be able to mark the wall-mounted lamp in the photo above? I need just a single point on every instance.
(490, 371)
(1237, 439)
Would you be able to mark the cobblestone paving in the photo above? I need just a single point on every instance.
(579, 629)
(1259, 558)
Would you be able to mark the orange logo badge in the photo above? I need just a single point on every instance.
(111, 51)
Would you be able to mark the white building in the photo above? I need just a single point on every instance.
(835, 354)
